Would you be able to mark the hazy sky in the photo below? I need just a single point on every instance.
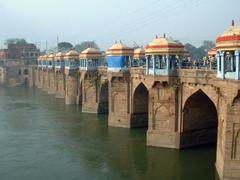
(106, 21)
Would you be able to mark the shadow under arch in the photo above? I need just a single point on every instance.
(103, 98)
(139, 117)
(200, 121)
(79, 99)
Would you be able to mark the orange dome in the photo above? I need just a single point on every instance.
(229, 40)
(59, 56)
(160, 46)
(44, 58)
(139, 53)
(71, 55)
(50, 57)
(90, 53)
(212, 52)
(39, 58)
(120, 49)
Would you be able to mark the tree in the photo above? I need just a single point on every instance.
(15, 41)
(86, 44)
(208, 44)
(64, 46)
(200, 52)
(191, 49)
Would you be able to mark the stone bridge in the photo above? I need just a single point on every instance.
(192, 108)
(180, 108)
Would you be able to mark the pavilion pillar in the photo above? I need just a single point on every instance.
(130, 61)
(222, 65)
(154, 64)
(232, 63)
(237, 64)
(167, 62)
(147, 65)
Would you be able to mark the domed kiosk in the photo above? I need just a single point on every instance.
(162, 56)
(39, 62)
(212, 58)
(50, 60)
(59, 60)
(119, 57)
(71, 60)
(44, 61)
(212, 52)
(139, 57)
(227, 46)
(90, 59)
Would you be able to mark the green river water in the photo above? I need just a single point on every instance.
(41, 138)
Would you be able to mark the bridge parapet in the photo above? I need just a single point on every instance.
(197, 76)
(198, 73)
(138, 71)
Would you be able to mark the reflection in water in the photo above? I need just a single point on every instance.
(41, 138)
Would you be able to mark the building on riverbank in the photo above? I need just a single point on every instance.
(15, 62)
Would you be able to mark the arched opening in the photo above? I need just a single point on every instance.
(103, 98)
(200, 121)
(140, 107)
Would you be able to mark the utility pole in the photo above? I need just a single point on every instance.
(46, 46)
(57, 43)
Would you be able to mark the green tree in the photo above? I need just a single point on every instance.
(200, 52)
(15, 41)
(64, 46)
(86, 44)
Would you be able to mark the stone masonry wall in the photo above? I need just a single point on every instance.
(60, 85)
(119, 106)
(163, 116)
(52, 83)
(71, 89)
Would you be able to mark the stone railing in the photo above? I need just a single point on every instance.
(197, 73)
(138, 70)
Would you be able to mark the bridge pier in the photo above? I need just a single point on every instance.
(40, 78)
(128, 100)
(94, 92)
(60, 85)
(228, 146)
(31, 76)
(71, 88)
(45, 80)
(52, 79)
(163, 115)
(119, 100)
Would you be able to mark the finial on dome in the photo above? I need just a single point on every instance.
(233, 24)
(164, 35)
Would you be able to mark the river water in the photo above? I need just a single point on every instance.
(41, 138)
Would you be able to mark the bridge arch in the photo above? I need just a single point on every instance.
(199, 120)
(140, 100)
(211, 91)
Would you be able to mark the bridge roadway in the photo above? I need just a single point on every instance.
(189, 109)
